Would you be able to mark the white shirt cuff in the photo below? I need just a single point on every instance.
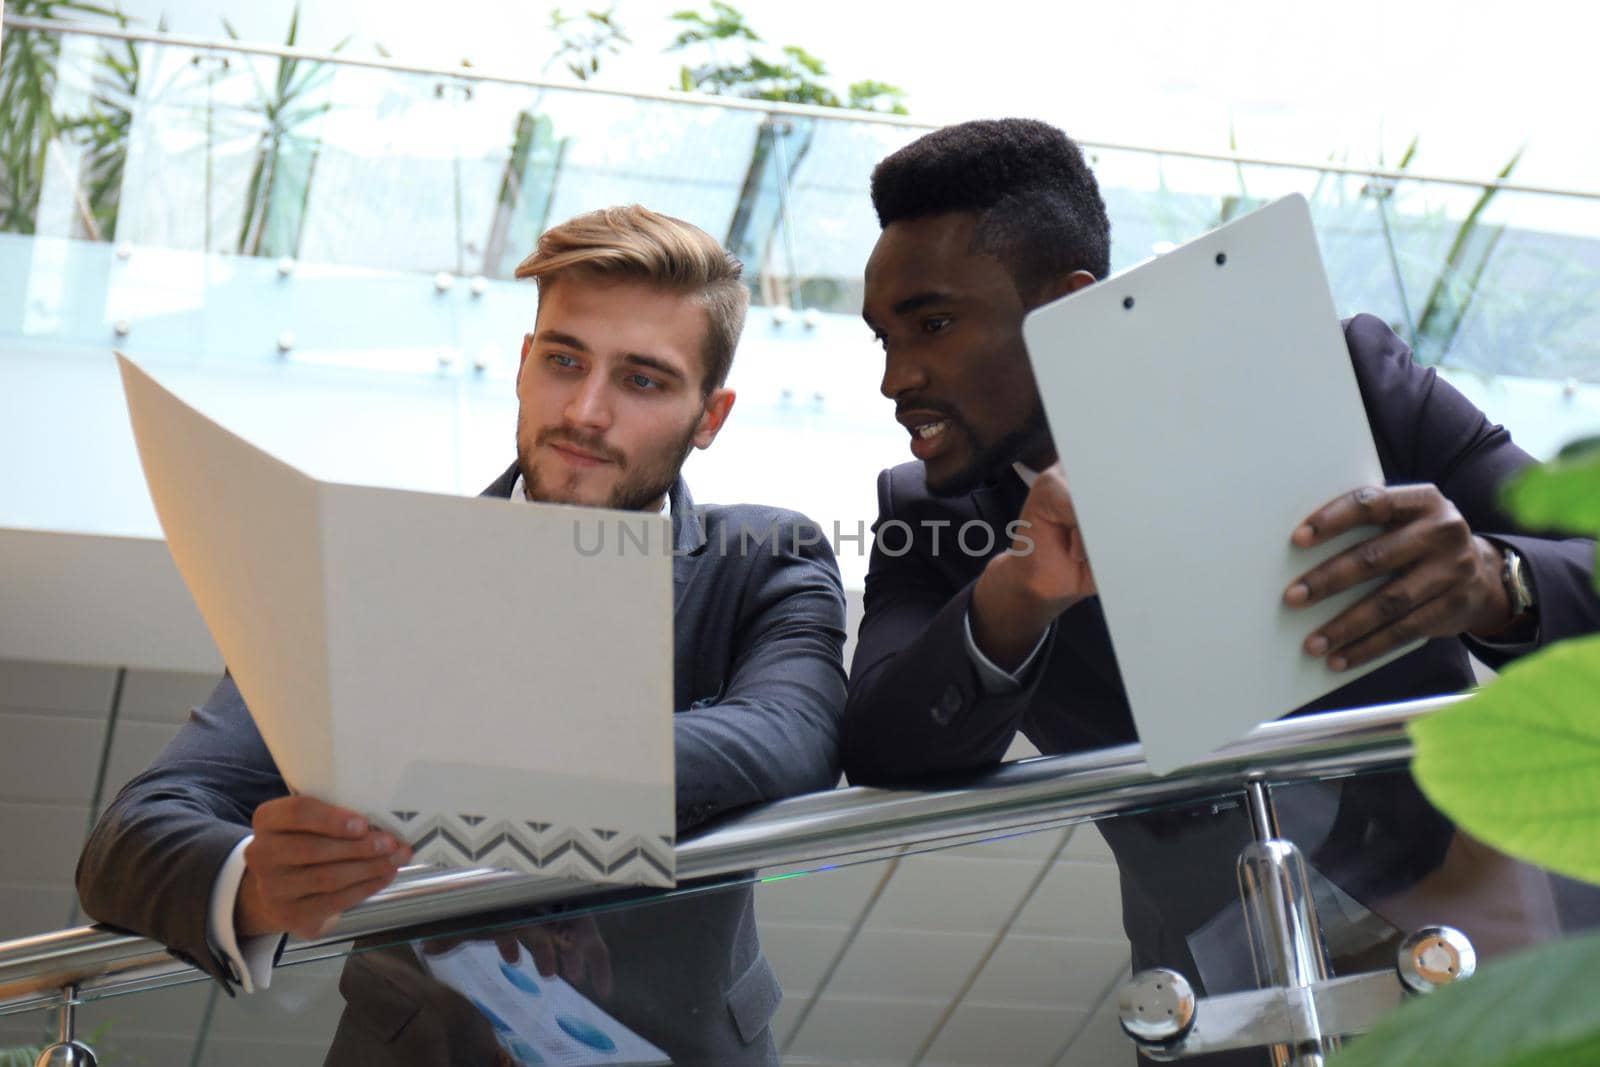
(250, 959)
(995, 680)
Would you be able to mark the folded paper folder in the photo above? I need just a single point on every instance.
(471, 673)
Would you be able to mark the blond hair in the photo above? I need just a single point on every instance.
(638, 244)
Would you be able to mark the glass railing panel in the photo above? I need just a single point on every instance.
(162, 1026)
(1363, 249)
(1048, 989)
(1386, 863)
(60, 174)
(22, 1037)
(375, 180)
(425, 173)
(162, 144)
(1513, 294)
(995, 949)
(831, 215)
(691, 162)
(991, 953)
(1157, 201)
(906, 957)
(407, 174)
(340, 165)
(1412, 223)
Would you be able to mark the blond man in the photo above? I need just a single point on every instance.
(621, 377)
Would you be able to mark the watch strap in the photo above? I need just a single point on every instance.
(1518, 586)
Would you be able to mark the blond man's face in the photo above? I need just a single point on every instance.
(610, 397)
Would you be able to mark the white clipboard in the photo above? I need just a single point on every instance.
(467, 672)
(1203, 404)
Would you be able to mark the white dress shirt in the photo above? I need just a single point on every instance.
(994, 679)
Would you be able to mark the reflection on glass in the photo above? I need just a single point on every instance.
(1004, 949)
(995, 950)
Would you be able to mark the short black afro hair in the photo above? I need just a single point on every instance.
(1038, 205)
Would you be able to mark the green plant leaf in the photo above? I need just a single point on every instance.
(1582, 448)
(1518, 763)
(1410, 153)
(1447, 303)
(1564, 495)
(1534, 1009)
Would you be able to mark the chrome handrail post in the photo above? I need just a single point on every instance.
(67, 1050)
(1281, 920)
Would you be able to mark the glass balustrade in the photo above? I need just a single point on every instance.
(256, 227)
(995, 949)
(209, 200)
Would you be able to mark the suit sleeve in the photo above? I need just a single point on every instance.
(1431, 433)
(773, 732)
(917, 704)
(153, 856)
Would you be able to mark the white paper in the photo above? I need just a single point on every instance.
(537, 1019)
(460, 669)
(1196, 430)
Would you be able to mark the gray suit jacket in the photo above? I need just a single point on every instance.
(759, 687)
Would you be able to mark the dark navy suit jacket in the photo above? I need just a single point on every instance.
(917, 705)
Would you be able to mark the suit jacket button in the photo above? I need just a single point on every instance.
(949, 703)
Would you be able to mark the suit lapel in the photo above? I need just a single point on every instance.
(688, 538)
(501, 486)
(998, 501)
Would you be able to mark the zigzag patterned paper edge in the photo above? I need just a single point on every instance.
(587, 854)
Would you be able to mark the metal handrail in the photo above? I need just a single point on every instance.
(1028, 795)
(765, 107)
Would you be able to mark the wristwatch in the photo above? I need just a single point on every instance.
(1514, 576)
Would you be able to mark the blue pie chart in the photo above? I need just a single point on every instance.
(583, 1032)
(520, 978)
